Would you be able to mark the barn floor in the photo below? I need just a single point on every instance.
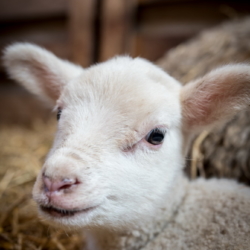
(22, 151)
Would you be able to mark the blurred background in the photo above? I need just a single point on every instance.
(89, 31)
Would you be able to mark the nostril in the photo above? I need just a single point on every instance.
(66, 183)
(64, 187)
(57, 185)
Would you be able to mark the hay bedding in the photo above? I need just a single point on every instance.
(223, 152)
(22, 152)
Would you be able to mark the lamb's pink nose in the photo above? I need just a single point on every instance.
(57, 185)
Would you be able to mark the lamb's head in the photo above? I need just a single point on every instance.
(118, 148)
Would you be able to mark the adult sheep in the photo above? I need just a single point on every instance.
(224, 150)
(115, 168)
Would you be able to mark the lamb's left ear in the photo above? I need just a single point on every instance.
(38, 70)
(216, 97)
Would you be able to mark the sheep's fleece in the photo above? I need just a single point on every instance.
(115, 169)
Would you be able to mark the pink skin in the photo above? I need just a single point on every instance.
(55, 190)
(51, 187)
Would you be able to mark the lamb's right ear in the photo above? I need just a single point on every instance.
(38, 70)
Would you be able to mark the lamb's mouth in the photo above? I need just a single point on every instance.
(59, 213)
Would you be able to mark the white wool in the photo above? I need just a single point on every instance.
(128, 193)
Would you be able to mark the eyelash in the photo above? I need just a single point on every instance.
(59, 112)
(155, 143)
(156, 136)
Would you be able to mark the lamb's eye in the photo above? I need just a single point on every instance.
(58, 115)
(155, 136)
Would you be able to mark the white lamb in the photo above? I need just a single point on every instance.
(115, 168)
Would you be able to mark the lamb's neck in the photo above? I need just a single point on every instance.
(144, 231)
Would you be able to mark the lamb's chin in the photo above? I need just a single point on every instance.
(67, 218)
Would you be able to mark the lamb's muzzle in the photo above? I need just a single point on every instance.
(52, 187)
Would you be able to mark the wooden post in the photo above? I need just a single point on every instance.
(116, 27)
(82, 14)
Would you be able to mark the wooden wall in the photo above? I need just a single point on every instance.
(88, 31)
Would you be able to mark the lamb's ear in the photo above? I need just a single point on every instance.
(216, 97)
(38, 70)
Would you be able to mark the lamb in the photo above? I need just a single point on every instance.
(115, 168)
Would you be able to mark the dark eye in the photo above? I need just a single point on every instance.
(155, 136)
(58, 115)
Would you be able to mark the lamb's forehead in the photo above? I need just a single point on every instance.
(123, 73)
(125, 83)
